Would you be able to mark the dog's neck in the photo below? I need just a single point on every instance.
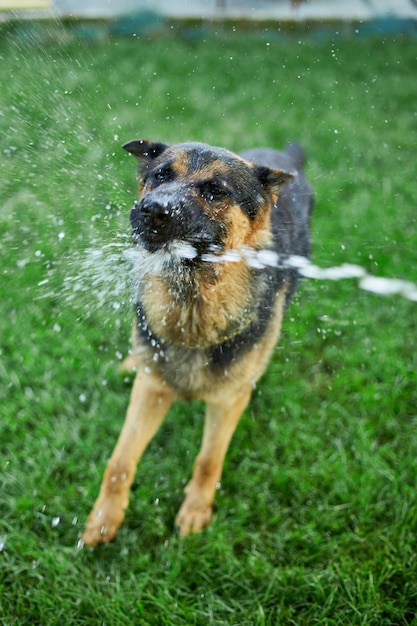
(197, 304)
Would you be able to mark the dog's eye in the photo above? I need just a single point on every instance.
(163, 175)
(213, 191)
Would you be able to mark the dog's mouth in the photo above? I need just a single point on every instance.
(158, 225)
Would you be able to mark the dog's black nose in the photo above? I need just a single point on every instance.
(149, 214)
(148, 206)
(154, 213)
(152, 222)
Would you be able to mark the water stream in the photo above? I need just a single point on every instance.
(106, 273)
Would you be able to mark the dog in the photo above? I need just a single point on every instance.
(208, 307)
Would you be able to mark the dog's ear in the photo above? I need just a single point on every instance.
(273, 179)
(145, 150)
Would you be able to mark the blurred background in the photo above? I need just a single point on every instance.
(262, 9)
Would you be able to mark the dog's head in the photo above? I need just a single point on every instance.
(207, 198)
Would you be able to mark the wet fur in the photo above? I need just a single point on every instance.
(203, 329)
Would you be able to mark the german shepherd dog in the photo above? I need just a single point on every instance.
(208, 311)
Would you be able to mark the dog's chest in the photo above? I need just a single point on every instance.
(188, 370)
(194, 332)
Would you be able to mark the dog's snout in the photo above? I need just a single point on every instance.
(152, 222)
(149, 213)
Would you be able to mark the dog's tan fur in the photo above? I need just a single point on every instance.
(216, 304)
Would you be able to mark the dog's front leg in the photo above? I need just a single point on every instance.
(222, 417)
(149, 403)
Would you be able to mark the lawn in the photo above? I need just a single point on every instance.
(316, 516)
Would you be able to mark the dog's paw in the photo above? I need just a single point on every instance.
(193, 516)
(102, 525)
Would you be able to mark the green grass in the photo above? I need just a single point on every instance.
(317, 513)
